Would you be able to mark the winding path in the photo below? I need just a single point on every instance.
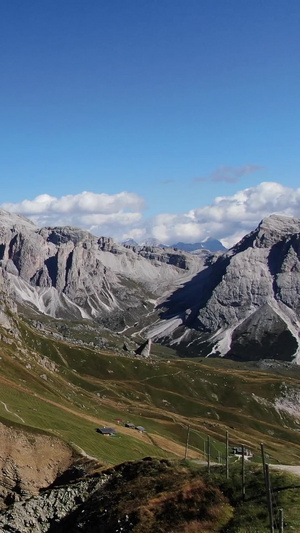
(11, 412)
(293, 469)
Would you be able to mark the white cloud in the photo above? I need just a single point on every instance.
(102, 214)
(85, 202)
(228, 217)
(113, 219)
(137, 234)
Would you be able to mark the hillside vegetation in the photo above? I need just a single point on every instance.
(161, 496)
(68, 390)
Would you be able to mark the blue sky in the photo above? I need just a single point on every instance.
(174, 102)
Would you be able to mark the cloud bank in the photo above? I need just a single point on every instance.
(99, 213)
(227, 218)
(85, 202)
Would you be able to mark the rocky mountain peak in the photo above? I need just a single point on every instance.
(270, 231)
(274, 228)
(67, 272)
(246, 304)
(215, 304)
(61, 235)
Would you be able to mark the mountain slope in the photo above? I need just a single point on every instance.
(69, 273)
(63, 374)
(244, 305)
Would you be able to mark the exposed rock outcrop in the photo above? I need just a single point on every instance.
(69, 273)
(44, 512)
(145, 349)
(246, 304)
(137, 496)
(29, 462)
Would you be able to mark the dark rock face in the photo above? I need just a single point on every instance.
(145, 349)
(264, 335)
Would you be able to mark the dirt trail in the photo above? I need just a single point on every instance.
(12, 412)
(95, 420)
(161, 442)
(293, 469)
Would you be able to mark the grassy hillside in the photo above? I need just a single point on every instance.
(69, 390)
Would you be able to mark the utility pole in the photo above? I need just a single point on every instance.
(281, 520)
(208, 455)
(227, 455)
(187, 442)
(268, 491)
(263, 461)
(243, 473)
(269, 499)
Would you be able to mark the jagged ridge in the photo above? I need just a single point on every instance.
(246, 304)
(69, 273)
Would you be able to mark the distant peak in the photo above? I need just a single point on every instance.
(211, 244)
(130, 242)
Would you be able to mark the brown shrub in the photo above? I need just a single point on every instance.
(191, 508)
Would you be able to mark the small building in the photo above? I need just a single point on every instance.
(238, 450)
(140, 429)
(106, 431)
(129, 425)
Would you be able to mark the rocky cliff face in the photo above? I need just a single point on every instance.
(45, 512)
(246, 305)
(69, 273)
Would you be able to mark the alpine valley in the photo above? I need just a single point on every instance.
(95, 334)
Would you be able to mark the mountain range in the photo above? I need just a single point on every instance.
(68, 273)
(210, 244)
(242, 303)
(90, 334)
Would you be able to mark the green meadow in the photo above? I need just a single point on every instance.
(88, 387)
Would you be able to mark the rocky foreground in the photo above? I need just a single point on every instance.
(157, 495)
(148, 495)
(29, 462)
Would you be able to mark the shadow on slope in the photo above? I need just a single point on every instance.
(195, 294)
(187, 301)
